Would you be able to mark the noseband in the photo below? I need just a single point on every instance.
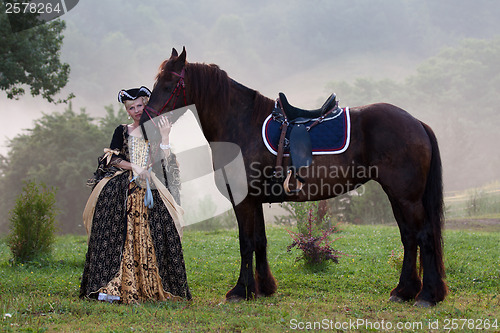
(173, 96)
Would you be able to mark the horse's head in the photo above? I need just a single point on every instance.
(179, 84)
(168, 94)
(168, 91)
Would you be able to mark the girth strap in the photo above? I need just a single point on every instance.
(278, 170)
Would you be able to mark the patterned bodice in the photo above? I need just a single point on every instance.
(138, 150)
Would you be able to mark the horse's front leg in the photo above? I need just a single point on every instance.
(245, 287)
(266, 283)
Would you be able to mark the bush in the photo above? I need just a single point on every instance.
(313, 251)
(32, 222)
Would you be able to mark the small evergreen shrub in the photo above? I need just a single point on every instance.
(32, 222)
(313, 251)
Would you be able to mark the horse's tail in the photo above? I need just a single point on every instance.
(433, 200)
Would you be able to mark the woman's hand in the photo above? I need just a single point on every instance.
(141, 172)
(165, 126)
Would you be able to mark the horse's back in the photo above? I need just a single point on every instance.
(389, 124)
(391, 139)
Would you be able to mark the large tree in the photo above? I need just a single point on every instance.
(32, 58)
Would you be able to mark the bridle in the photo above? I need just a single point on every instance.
(181, 86)
(173, 96)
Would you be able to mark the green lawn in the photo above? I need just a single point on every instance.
(350, 296)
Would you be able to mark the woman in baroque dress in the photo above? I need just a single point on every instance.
(134, 245)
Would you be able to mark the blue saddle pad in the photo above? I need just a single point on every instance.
(332, 136)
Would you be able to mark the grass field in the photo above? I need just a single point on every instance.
(350, 296)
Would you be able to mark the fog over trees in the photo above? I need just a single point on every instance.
(436, 59)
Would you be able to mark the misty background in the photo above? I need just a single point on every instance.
(436, 59)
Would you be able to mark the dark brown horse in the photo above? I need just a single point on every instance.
(392, 147)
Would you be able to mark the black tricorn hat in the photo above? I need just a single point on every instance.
(132, 94)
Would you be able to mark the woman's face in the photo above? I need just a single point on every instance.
(135, 108)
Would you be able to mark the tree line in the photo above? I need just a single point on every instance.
(60, 151)
(456, 93)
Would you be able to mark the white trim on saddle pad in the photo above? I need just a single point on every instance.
(347, 141)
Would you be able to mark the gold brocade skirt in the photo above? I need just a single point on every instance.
(138, 278)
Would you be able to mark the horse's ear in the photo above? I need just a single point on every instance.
(174, 53)
(182, 57)
(180, 62)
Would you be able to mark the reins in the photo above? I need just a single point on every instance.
(174, 95)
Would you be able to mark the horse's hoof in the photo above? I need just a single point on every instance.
(396, 299)
(424, 304)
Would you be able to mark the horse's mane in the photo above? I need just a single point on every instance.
(262, 104)
(208, 86)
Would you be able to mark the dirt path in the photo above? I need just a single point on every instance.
(275, 210)
(473, 224)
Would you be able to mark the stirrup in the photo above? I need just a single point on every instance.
(286, 184)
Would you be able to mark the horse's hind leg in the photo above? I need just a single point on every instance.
(409, 281)
(434, 288)
(417, 231)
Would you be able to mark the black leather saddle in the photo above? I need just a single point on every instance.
(293, 112)
(293, 120)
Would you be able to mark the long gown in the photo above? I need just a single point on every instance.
(134, 252)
